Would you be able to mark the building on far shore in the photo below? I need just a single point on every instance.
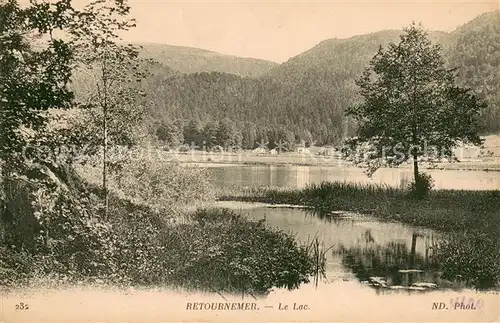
(303, 150)
(260, 150)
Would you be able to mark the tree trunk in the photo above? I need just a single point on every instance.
(415, 169)
(104, 170)
(105, 143)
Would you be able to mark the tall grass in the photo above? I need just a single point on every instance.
(470, 219)
(444, 210)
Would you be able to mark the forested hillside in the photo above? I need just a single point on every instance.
(192, 60)
(475, 49)
(303, 99)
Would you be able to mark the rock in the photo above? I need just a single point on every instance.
(380, 281)
(425, 285)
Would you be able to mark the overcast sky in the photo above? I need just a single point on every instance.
(278, 30)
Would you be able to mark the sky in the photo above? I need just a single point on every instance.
(278, 30)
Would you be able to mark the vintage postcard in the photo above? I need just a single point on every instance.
(260, 161)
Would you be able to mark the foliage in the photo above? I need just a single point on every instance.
(193, 132)
(311, 91)
(443, 210)
(422, 186)
(32, 79)
(410, 79)
(233, 254)
(169, 134)
(473, 257)
(163, 184)
(215, 250)
(261, 104)
(469, 219)
(152, 179)
(474, 48)
(228, 134)
(64, 238)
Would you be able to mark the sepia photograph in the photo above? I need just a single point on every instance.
(257, 160)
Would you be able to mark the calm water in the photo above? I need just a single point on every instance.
(363, 250)
(300, 176)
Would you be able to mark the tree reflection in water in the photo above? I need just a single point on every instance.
(451, 261)
(393, 265)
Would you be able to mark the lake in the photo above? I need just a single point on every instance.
(369, 274)
(367, 251)
(361, 249)
(300, 176)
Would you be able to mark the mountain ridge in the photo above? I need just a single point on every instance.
(192, 60)
(306, 96)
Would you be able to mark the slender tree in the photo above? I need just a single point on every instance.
(112, 72)
(411, 106)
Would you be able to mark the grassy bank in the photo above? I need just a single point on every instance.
(471, 219)
(211, 250)
(443, 210)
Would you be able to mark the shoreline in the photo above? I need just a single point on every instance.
(291, 160)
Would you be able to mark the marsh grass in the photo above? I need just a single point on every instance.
(443, 210)
(470, 220)
(317, 251)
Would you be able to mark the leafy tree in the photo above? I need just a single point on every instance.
(32, 81)
(306, 138)
(193, 132)
(228, 133)
(35, 69)
(39, 50)
(210, 134)
(411, 105)
(113, 73)
(281, 139)
(169, 133)
(249, 135)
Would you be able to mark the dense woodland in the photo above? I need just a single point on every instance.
(303, 100)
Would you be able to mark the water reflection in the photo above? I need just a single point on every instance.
(393, 265)
(385, 256)
(300, 176)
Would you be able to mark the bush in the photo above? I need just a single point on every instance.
(421, 187)
(474, 258)
(214, 249)
(222, 250)
(154, 182)
(63, 235)
(163, 184)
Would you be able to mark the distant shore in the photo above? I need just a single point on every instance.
(295, 159)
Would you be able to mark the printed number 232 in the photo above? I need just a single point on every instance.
(22, 306)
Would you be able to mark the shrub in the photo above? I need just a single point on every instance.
(163, 184)
(421, 187)
(222, 250)
(158, 183)
(62, 236)
(214, 249)
(473, 257)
